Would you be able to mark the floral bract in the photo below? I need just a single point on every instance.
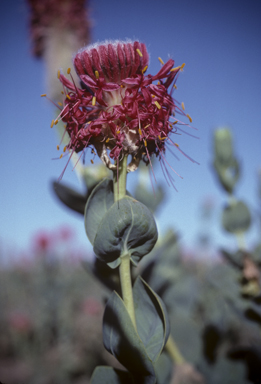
(119, 110)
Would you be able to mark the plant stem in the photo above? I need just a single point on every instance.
(173, 351)
(119, 186)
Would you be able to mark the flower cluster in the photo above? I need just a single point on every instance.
(119, 110)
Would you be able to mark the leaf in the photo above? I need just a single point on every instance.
(122, 341)
(163, 368)
(151, 317)
(99, 201)
(236, 218)
(127, 227)
(71, 198)
(109, 375)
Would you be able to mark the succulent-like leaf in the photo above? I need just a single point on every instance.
(99, 201)
(109, 375)
(71, 198)
(122, 341)
(236, 217)
(127, 227)
(164, 368)
(151, 318)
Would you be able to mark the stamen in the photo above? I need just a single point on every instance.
(139, 52)
(97, 75)
(175, 122)
(56, 122)
(68, 97)
(190, 119)
(175, 86)
(118, 132)
(177, 145)
(140, 131)
(182, 66)
(183, 106)
(92, 161)
(59, 103)
(52, 123)
(43, 95)
(107, 140)
(57, 147)
(145, 143)
(61, 156)
(153, 96)
(93, 101)
(64, 149)
(62, 92)
(175, 69)
(146, 126)
(157, 104)
(144, 69)
(68, 71)
(58, 73)
(160, 60)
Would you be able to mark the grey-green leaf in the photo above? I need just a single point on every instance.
(127, 227)
(122, 341)
(71, 198)
(151, 317)
(100, 200)
(109, 375)
(236, 217)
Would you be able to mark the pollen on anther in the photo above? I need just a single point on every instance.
(58, 73)
(93, 101)
(56, 122)
(144, 69)
(59, 103)
(157, 104)
(61, 156)
(160, 60)
(176, 144)
(175, 69)
(183, 106)
(175, 86)
(92, 161)
(68, 71)
(58, 147)
(52, 123)
(182, 66)
(140, 131)
(97, 75)
(107, 140)
(189, 117)
(139, 52)
(43, 95)
(118, 132)
(68, 97)
(145, 143)
(64, 149)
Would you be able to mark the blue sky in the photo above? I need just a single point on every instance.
(221, 86)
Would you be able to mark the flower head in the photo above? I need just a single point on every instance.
(119, 110)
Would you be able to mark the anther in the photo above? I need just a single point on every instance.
(58, 73)
(175, 86)
(59, 103)
(175, 69)
(118, 132)
(68, 71)
(182, 66)
(175, 122)
(68, 97)
(183, 106)
(176, 144)
(61, 156)
(97, 75)
(57, 147)
(140, 131)
(107, 140)
(157, 104)
(43, 95)
(139, 52)
(56, 122)
(160, 60)
(64, 149)
(145, 143)
(92, 161)
(52, 123)
(144, 69)
(93, 101)
(189, 117)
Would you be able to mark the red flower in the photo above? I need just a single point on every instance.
(120, 110)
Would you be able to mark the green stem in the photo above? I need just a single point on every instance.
(119, 187)
(174, 352)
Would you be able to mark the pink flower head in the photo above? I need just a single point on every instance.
(119, 110)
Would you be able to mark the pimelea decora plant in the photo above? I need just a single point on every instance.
(119, 111)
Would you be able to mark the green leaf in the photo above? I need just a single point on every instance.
(100, 200)
(236, 218)
(151, 317)
(127, 227)
(71, 198)
(122, 341)
(163, 368)
(109, 375)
